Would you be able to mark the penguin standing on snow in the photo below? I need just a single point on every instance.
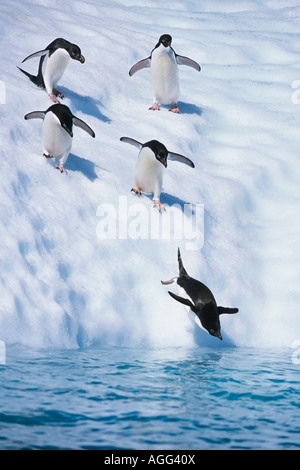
(149, 170)
(53, 62)
(58, 131)
(164, 72)
(201, 301)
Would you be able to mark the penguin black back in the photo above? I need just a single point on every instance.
(196, 290)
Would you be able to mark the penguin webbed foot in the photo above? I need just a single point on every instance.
(61, 168)
(174, 108)
(136, 191)
(159, 206)
(53, 98)
(58, 93)
(155, 107)
(166, 283)
(47, 155)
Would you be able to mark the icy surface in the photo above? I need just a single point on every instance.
(61, 283)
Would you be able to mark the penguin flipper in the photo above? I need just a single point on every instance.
(182, 300)
(142, 64)
(181, 60)
(131, 141)
(36, 54)
(222, 310)
(180, 158)
(35, 115)
(83, 125)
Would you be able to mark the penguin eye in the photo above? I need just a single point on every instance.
(211, 330)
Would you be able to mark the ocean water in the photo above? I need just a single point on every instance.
(175, 399)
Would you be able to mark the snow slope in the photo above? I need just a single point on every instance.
(64, 285)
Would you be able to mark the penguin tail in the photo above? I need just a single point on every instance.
(37, 80)
(182, 271)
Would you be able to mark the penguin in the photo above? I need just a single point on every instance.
(58, 131)
(164, 62)
(149, 170)
(53, 62)
(201, 301)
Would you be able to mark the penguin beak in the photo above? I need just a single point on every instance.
(69, 132)
(81, 59)
(216, 334)
(164, 161)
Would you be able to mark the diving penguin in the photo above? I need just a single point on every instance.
(149, 169)
(53, 62)
(58, 131)
(201, 301)
(164, 61)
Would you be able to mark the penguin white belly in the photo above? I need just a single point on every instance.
(54, 67)
(149, 173)
(164, 76)
(56, 141)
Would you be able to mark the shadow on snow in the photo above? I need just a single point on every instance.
(85, 104)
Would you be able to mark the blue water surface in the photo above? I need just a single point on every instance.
(118, 398)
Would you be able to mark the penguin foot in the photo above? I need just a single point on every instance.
(53, 98)
(174, 108)
(155, 107)
(57, 93)
(136, 191)
(166, 283)
(159, 206)
(61, 168)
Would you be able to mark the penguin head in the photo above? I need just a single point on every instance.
(68, 127)
(215, 332)
(64, 116)
(159, 150)
(162, 158)
(75, 53)
(209, 318)
(165, 40)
